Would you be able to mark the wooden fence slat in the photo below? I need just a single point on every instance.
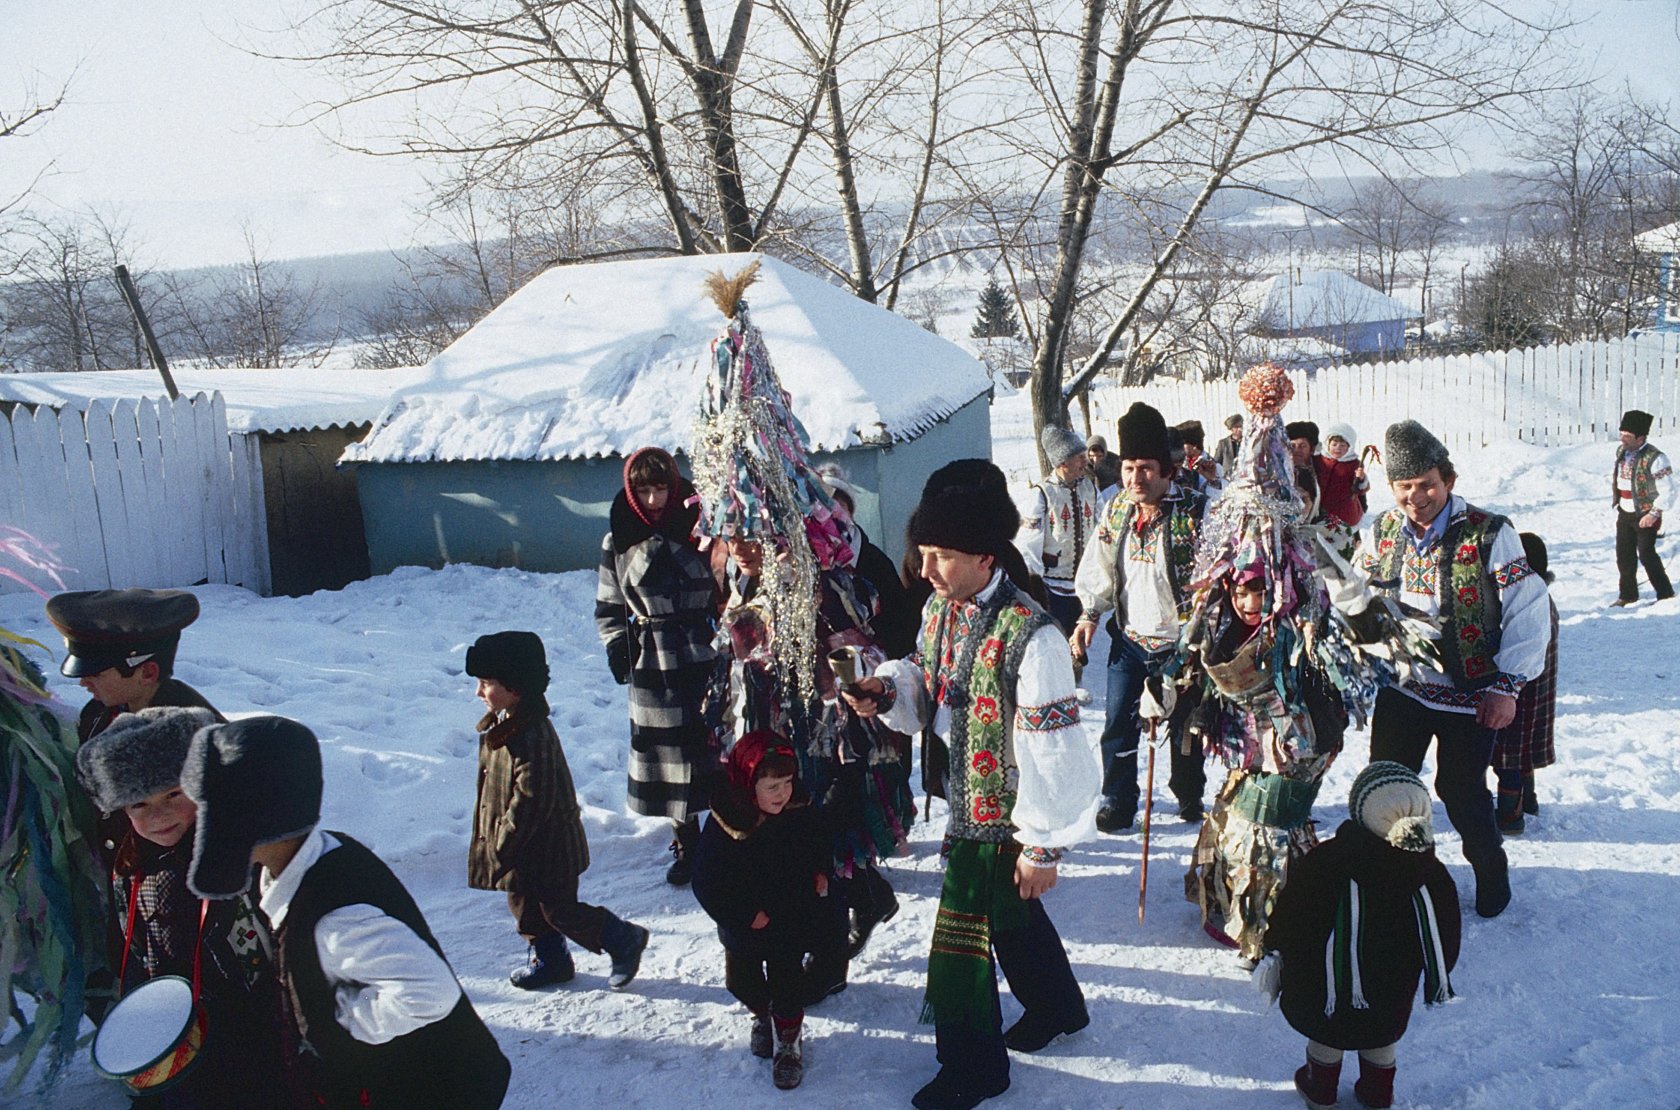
(120, 554)
(40, 468)
(80, 504)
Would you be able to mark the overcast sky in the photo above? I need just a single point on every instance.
(169, 124)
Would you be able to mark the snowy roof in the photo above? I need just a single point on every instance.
(1320, 299)
(601, 359)
(1659, 240)
(257, 400)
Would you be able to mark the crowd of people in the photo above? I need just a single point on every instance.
(783, 680)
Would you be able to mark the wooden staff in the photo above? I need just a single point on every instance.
(1148, 805)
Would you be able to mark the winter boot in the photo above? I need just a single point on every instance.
(1531, 803)
(763, 1042)
(1493, 887)
(625, 942)
(875, 903)
(550, 963)
(789, 1066)
(1508, 812)
(682, 852)
(1317, 1083)
(1375, 1086)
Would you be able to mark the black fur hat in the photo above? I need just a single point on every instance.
(1637, 422)
(1143, 435)
(256, 780)
(964, 518)
(1304, 429)
(138, 755)
(515, 659)
(984, 475)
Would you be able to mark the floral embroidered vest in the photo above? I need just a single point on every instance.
(970, 656)
(1184, 509)
(1470, 611)
(1644, 482)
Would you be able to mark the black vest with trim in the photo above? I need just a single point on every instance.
(452, 1064)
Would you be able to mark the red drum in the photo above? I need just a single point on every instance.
(152, 1037)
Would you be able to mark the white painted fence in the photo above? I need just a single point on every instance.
(1548, 396)
(137, 493)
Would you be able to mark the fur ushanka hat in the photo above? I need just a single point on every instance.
(256, 780)
(1409, 450)
(1390, 800)
(515, 659)
(138, 755)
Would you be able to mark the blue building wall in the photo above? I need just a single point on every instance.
(1668, 299)
(550, 516)
(1370, 337)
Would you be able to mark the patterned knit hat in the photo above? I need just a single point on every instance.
(1410, 449)
(1059, 444)
(1389, 799)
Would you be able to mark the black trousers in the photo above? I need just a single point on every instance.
(554, 908)
(1401, 729)
(1036, 965)
(1636, 544)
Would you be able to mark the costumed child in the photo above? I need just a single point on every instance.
(528, 834)
(134, 766)
(762, 871)
(1366, 914)
(1273, 675)
(796, 602)
(1527, 744)
(373, 1015)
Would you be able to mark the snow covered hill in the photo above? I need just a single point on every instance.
(1567, 1000)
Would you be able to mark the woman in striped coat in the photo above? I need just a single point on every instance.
(656, 609)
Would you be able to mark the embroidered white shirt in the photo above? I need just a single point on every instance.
(1662, 472)
(386, 981)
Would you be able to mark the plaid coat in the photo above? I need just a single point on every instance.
(1526, 743)
(527, 828)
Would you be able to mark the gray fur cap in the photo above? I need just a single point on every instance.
(138, 755)
(1410, 449)
(256, 780)
(1059, 444)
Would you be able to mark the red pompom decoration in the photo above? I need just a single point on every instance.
(1265, 389)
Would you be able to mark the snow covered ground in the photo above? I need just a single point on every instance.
(1567, 1000)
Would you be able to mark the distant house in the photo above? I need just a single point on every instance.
(1328, 307)
(1664, 242)
(510, 448)
(300, 421)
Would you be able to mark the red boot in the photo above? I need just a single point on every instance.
(1317, 1083)
(1375, 1088)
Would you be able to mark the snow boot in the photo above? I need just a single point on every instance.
(550, 963)
(1317, 1083)
(1531, 803)
(788, 1067)
(682, 853)
(1508, 812)
(1375, 1087)
(1493, 887)
(875, 903)
(762, 1041)
(625, 942)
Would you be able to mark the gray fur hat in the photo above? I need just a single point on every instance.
(1059, 444)
(255, 780)
(1410, 449)
(138, 755)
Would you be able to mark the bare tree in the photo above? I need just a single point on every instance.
(1400, 223)
(62, 310)
(257, 313)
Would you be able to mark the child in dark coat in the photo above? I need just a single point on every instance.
(528, 834)
(762, 871)
(1364, 915)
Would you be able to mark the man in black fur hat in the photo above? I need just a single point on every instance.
(1642, 486)
(994, 679)
(1138, 567)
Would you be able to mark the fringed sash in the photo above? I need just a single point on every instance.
(978, 899)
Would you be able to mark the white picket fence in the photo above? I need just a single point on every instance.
(137, 493)
(1548, 396)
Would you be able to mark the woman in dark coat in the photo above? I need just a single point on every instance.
(656, 605)
(1375, 905)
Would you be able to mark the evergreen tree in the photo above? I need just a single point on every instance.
(996, 318)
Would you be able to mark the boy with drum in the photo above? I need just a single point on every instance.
(133, 766)
(374, 1015)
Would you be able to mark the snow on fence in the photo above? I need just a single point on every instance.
(136, 493)
(1547, 396)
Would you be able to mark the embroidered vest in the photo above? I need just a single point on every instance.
(1071, 514)
(970, 657)
(1468, 596)
(1644, 482)
(1183, 527)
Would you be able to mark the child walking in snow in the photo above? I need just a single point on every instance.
(1364, 915)
(762, 870)
(528, 834)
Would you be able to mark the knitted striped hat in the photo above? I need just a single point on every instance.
(1389, 799)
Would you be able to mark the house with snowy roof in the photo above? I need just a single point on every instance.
(1327, 307)
(509, 449)
(1664, 242)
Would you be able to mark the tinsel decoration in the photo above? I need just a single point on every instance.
(51, 909)
(754, 481)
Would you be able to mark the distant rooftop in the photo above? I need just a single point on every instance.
(1320, 299)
